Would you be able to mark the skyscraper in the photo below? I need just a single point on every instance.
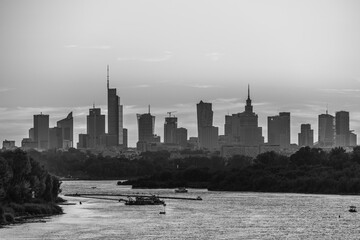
(95, 127)
(181, 137)
(242, 128)
(146, 125)
(41, 131)
(66, 125)
(207, 133)
(115, 117)
(326, 130)
(306, 136)
(279, 130)
(170, 127)
(342, 129)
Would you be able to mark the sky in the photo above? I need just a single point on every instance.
(297, 56)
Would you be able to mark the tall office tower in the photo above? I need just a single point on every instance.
(279, 130)
(125, 137)
(242, 128)
(146, 125)
(95, 127)
(83, 141)
(207, 133)
(353, 139)
(306, 136)
(170, 127)
(31, 134)
(41, 131)
(67, 128)
(326, 130)
(181, 137)
(342, 129)
(115, 117)
(55, 138)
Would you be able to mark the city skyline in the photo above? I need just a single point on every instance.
(298, 57)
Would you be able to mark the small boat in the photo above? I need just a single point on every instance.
(181, 190)
(352, 209)
(151, 200)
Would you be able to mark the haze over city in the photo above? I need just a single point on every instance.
(298, 57)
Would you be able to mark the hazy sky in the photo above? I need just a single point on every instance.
(297, 56)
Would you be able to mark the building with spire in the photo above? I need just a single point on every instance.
(116, 135)
(242, 128)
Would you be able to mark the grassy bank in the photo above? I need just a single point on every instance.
(15, 213)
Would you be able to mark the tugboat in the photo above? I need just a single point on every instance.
(181, 190)
(352, 209)
(151, 200)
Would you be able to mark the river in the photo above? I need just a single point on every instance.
(221, 215)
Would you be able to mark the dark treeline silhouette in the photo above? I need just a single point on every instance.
(26, 188)
(309, 170)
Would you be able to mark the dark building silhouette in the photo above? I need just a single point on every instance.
(279, 130)
(95, 127)
(207, 133)
(353, 139)
(115, 136)
(181, 137)
(342, 129)
(242, 128)
(306, 136)
(8, 145)
(146, 126)
(326, 130)
(170, 127)
(41, 131)
(55, 138)
(67, 128)
(83, 141)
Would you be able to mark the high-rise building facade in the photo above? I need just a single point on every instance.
(181, 137)
(67, 128)
(242, 128)
(146, 125)
(207, 133)
(170, 127)
(41, 131)
(279, 130)
(306, 136)
(342, 129)
(115, 117)
(95, 127)
(326, 136)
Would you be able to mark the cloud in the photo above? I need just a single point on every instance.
(165, 57)
(139, 86)
(214, 56)
(100, 47)
(340, 91)
(6, 89)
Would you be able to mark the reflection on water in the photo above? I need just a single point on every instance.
(221, 215)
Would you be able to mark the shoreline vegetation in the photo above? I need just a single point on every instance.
(27, 190)
(29, 186)
(309, 170)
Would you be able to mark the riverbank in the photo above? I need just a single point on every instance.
(13, 213)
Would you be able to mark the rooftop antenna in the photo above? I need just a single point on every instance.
(248, 91)
(149, 108)
(327, 108)
(108, 76)
(94, 105)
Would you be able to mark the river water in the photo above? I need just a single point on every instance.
(221, 215)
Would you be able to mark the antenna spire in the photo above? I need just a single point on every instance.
(248, 91)
(149, 108)
(108, 76)
(327, 108)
